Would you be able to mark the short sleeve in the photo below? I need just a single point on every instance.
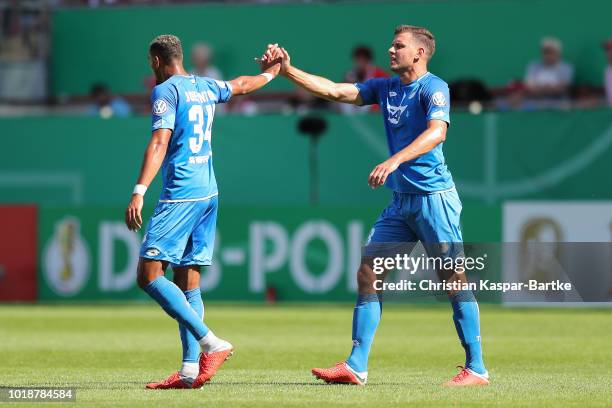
(222, 90)
(369, 90)
(436, 101)
(163, 107)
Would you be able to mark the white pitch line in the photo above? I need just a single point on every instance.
(546, 179)
(491, 190)
(373, 139)
(74, 181)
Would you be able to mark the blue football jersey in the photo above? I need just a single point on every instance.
(406, 109)
(186, 105)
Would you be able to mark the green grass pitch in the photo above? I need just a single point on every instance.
(536, 357)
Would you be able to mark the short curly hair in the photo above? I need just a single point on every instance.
(167, 47)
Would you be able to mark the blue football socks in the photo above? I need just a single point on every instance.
(467, 323)
(366, 317)
(173, 301)
(191, 347)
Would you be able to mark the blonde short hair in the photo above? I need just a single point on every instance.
(420, 34)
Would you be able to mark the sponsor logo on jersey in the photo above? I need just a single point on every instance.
(395, 112)
(438, 99)
(160, 107)
(392, 94)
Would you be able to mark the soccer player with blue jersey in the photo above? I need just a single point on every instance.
(415, 105)
(181, 232)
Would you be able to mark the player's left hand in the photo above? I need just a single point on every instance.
(271, 60)
(270, 52)
(379, 175)
(133, 213)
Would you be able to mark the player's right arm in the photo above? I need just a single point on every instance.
(151, 163)
(319, 86)
(164, 100)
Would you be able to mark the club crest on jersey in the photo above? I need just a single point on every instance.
(395, 112)
(438, 99)
(159, 107)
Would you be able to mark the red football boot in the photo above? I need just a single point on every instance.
(173, 382)
(467, 378)
(341, 373)
(209, 364)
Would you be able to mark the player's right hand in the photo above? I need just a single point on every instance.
(275, 52)
(133, 213)
(379, 175)
(271, 60)
(286, 60)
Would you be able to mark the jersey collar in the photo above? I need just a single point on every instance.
(416, 81)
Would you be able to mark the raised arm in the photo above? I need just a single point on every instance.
(319, 86)
(270, 68)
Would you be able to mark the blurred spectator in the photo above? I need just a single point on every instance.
(363, 69)
(23, 51)
(607, 45)
(105, 105)
(201, 62)
(302, 102)
(548, 81)
(201, 65)
(23, 31)
(242, 104)
(201, 59)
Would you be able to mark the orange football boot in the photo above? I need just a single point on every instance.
(209, 364)
(467, 378)
(338, 374)
(173, 382)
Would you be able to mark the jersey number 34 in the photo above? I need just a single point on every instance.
(196, 116)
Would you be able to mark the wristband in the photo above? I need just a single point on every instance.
(140, 189)
(268, 76)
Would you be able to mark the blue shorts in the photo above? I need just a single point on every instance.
(429, 218)
(182, 233)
